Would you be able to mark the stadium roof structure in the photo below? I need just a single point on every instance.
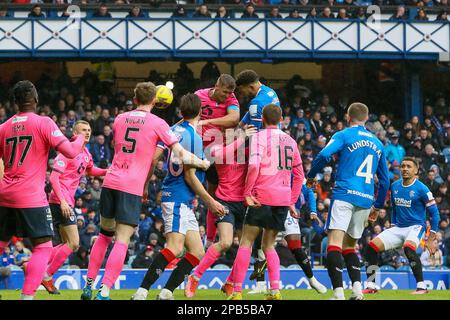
(222, 39)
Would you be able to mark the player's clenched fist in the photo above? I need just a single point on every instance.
(205, 164)
(252, 202)
(217, 208)
(293, 212)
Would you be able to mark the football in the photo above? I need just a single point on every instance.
(164, 97)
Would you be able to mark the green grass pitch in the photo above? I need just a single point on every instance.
(217, 295)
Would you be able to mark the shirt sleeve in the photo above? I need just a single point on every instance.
(254, 165)
(246, 118)
(165, 134)
(60, 164)
(383, 181)
(427, 198)
(310, 199)
(233, 103)
(334, 146)
(53, 134)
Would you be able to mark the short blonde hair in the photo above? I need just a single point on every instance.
(358, 111)
(81, 122)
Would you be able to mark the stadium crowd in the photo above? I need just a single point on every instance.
(310, 117)
(253, 9)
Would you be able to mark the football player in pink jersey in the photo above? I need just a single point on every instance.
(65, 178)
(270, 195)
(220, 110)
(25, 140)
(232, 171)
(136, 135)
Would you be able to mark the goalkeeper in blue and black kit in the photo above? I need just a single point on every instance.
(361, 156)
(411, 200)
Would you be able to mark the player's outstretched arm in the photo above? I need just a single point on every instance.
(334, 146)
(96, 171)
(195, 184)
(189, 158)
(231, 120)
(71, 149)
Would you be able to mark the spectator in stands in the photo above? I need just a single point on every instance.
(102, 12)
(316, 124)
(36, 12)
(421, 15)
(92, 217)
(179, 12)
(100, 151)
(144, 226)
(327, 14)
(144, 259)
(274, 13)
(6, 261)
(96, 189)
(400, 14)
(21, 254)
(312, 14)
(80, 258)
(249, 12)
(222, 13)
(303, 2)
(294, 14)
(108, 134)
(394, 151)
(325, 186)
(202, 12)
(342, 14)
(442, 16)
(431, 183)
(4, 12)
(432, 261)
(136, 12)
(80, 223)
(87, 234)
(429, 157)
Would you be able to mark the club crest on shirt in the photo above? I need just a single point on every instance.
(57, 133)
(60, 163)
(412, 193)
(86, 159)
(395, 191)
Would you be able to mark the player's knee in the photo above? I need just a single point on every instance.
(225, 244)
(74, 245)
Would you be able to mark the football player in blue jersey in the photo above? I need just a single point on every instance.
(249, 86)
(411, 200)
(178, 192)
(360, 156)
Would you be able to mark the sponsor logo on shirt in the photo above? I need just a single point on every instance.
(412, 193)
(252, 109)
(60, 163)
(57, 133)
(366, 134)
(270, 94)
(20, 119)
(357, 193)
(402, 202)
(86, 159)
(137, 114)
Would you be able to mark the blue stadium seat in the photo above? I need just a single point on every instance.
(404, 269)
(387, 268)
(221, 267)
(131, 259)
(15, 268)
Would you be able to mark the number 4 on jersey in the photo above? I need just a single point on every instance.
(365, 169)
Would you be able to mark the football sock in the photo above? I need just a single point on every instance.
(273, 268)
(210, 257)
(158, 265)
(372, 262)
(335, 265)
(58, 260)
(301, 257)
(98, 255)
(183, 269)
(54, 252)
(115, 262)
(35, 270)
(353, 265)
(240, 267)
(414, 262)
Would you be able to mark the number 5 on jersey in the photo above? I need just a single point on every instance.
(131, 140)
